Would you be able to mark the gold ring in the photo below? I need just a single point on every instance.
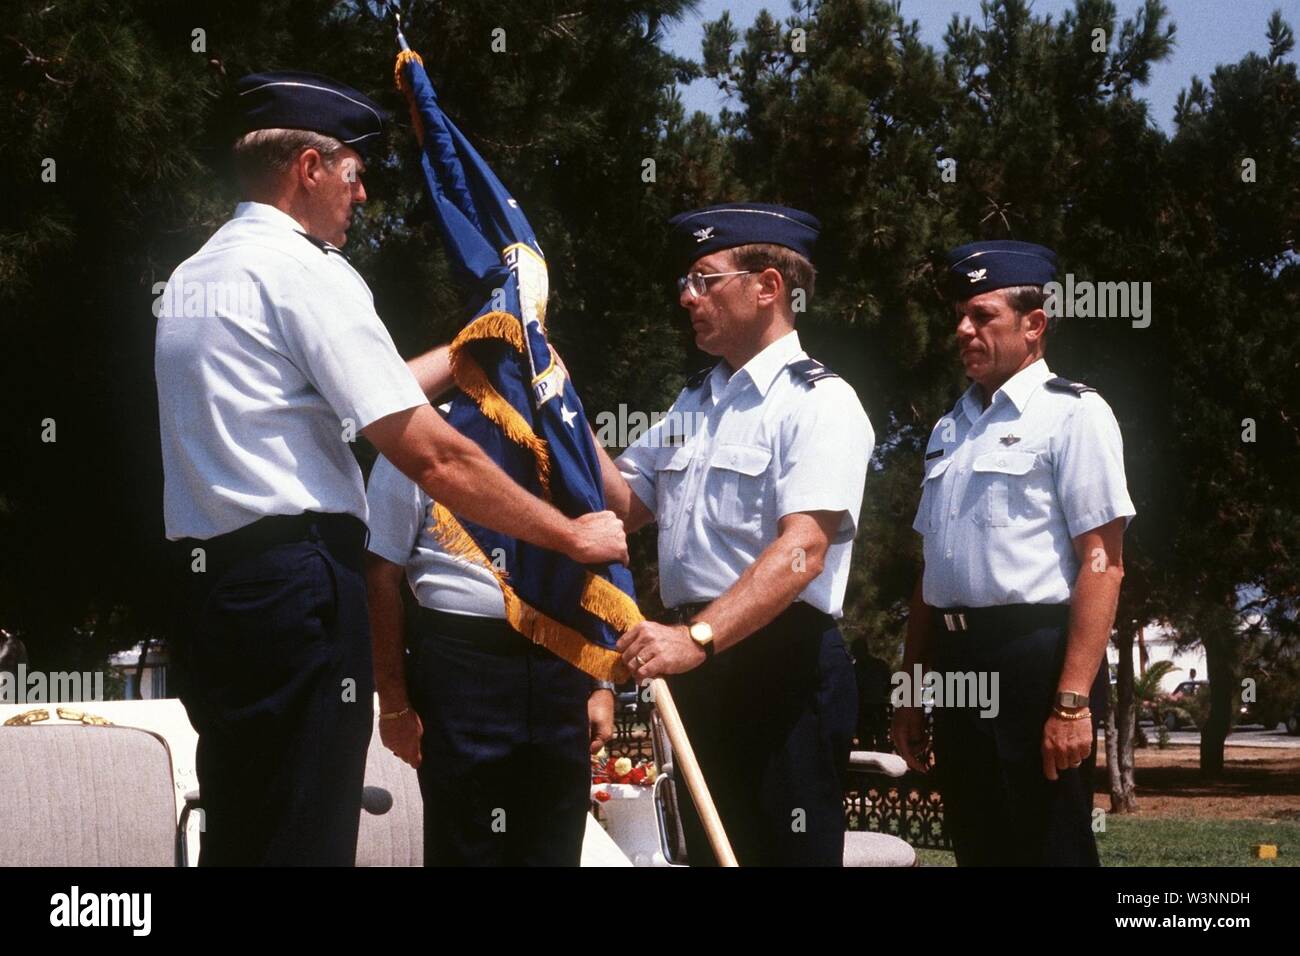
(641, 660)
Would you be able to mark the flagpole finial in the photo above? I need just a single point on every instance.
(397, 18)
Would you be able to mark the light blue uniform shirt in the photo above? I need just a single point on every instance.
(400, 519)
(1008, 488)
(269, 359)
(736, 454)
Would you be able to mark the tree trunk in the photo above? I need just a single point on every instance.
(1219, 666)
(1112, 754)
(140, 667)
(1123, 788)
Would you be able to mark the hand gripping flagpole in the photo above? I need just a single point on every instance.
(683, 752)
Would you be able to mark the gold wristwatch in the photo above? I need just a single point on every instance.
(1069, 700)
(702, 635)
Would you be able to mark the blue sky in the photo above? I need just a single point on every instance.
(1210, 32)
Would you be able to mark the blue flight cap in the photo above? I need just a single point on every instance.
(979, 267)
(288, 99)
(703, 231)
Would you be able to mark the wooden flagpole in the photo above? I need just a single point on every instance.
(684, 757)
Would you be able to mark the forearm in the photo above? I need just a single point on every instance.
(457, 474)
(433, 371)
(766, 588)
(618, 492)
(468, 483)
(1092, 615)
(386, 628)
(920, 630)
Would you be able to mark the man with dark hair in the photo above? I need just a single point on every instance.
(1023, 511)
(756, 513)
(269, 359)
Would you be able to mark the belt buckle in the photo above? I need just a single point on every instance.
(955, 622)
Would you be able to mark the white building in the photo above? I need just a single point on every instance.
(152, 680)
(1159, 643)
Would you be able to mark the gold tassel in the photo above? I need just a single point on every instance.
(404, 57)
(399, 79)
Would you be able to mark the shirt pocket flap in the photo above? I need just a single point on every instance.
(745, 459)
(1005, 462)
(934, 469)
(677, 461)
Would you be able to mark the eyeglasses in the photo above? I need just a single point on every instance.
(698, 283)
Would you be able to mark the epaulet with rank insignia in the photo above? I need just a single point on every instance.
(810, 371)
(1059, 384)
(697, 378)
(320, 244)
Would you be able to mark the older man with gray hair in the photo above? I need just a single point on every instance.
(269, 360)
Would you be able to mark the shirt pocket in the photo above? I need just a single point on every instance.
(931, 504)
(1007, 476)
(736, 487)
(670, 482)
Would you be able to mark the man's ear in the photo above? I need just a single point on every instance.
(1035, 325)
(771, 286)
(310, 168)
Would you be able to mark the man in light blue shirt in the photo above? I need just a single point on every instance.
(499, 729)
(1023, 510)
(755, 478)
(270, 360)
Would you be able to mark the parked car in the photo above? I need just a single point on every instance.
(1172, 711)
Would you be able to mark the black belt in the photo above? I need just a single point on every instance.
(493, 635)
(343, 534)
(1005, 617)
(683, 613)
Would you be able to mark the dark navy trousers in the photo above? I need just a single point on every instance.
(771, 721)
(273, 655)
(998, 806)
(505, 767)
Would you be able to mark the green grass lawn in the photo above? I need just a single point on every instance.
(1134, 842)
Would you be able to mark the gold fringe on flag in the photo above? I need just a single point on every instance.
(599, 597)
(469, 376)
(560, 639)
(607, 602)
(458, 543)
(472, 380)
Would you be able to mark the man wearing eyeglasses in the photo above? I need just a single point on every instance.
(757, 509)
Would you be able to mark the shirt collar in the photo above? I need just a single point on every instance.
(1017, 389)
(764, 367)
(263, 212)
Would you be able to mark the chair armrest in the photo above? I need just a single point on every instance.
(192, 803)
(891, 765)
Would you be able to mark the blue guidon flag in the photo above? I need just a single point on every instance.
(515, 400)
